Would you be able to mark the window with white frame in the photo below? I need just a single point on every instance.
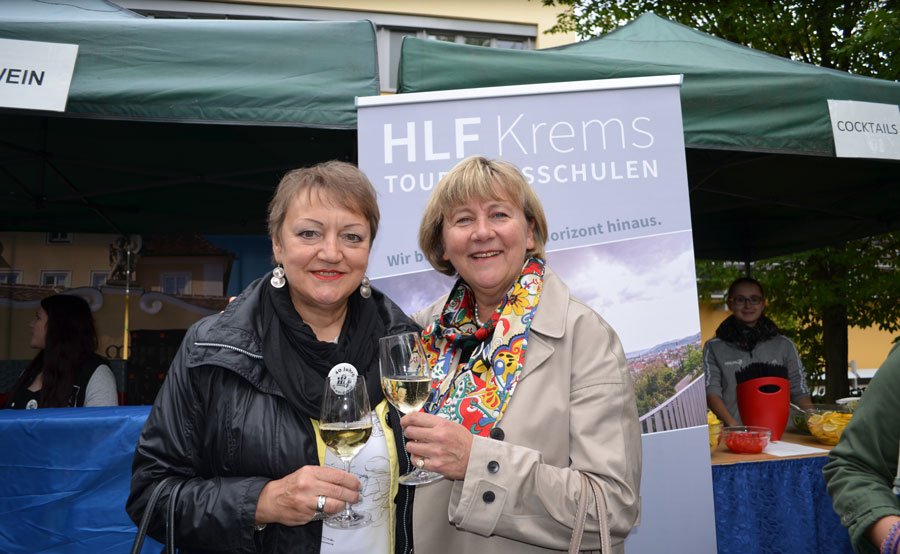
(59, 238)
(391, 41)
(175, 282)
(56, 278)
(11, 276)
(98, 278)
(390, 27)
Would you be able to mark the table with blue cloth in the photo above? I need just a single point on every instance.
(767, 504)
(65, 475)
(64, 478)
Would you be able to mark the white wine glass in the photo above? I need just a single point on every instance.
(345, 426)
(406, 381)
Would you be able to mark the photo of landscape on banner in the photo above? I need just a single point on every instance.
(608, 165)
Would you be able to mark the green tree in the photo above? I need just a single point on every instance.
(860, 36)
(816, 295)
(693, 360)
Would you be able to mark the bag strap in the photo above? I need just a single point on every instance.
(170, 518)
(148, 512)
(588, 486)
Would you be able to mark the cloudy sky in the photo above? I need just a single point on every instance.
(645, 288)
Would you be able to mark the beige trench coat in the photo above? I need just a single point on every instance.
(573, 410)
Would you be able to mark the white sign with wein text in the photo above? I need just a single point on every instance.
(36, 75)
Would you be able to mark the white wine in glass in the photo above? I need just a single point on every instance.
(406, 381)
(345, 426)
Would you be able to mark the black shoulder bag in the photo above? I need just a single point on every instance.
(170, 515)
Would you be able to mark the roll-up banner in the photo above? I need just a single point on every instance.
(607, 160)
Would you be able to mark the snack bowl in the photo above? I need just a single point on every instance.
(798, 418)
(715, 435)
(827, 425)
(849, 403)
(746, 439)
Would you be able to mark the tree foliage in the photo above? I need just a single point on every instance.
(859, 36)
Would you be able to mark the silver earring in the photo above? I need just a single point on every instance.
(365, 288)
(277, 279)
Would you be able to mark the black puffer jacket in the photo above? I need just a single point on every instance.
(221, 422)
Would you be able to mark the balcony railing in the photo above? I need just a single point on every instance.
(687, 408)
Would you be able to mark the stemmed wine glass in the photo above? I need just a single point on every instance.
(345, 426)
(406, 381)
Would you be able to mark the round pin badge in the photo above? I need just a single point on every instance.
(342, 378)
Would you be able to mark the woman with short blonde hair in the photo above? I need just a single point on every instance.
(530, 388)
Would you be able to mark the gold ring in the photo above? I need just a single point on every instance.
(420, 463)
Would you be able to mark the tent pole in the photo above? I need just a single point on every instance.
(127, 301)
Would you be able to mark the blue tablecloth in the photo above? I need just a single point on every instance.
(65, 475)
(64, 479)
(778, 507)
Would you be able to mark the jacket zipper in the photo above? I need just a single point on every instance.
(229, 347)
(407, 468)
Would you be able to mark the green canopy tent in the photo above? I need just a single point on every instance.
(177, 126)
(763, 176)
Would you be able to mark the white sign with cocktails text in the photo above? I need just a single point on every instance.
(579, 144)
(865, 129)
(36, 75)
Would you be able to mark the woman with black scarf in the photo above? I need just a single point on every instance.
(744, 338)
(236, 417)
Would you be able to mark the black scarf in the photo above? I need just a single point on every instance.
(745, 337)
(300, 363)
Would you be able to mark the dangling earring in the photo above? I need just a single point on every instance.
(365, 288)
(277, 279)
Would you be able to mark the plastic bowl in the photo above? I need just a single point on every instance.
(849, 403)
(798, 418)
(827, 425)
(715, 435)
(746, 439)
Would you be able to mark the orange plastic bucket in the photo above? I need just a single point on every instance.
(766, 402)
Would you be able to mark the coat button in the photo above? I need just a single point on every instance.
(497, 434)
(493, 466)
(488, 497)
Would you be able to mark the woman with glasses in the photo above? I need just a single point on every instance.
(746, 337)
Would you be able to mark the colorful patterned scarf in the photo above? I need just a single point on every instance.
(475, 392)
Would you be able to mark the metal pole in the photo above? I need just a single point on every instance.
(127, 300)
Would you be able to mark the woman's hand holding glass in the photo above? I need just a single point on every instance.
(292, 500)
(445, 445)
(406, 381)
(345, 426)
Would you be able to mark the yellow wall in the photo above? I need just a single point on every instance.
(869, 347)
(503, 11)
(31, 253)
(149, 273)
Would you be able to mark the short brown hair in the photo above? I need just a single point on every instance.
(743, 281)
(342, 181)
(478, 177)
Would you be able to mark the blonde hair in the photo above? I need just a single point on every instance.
(478, 177)
(341, 181)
